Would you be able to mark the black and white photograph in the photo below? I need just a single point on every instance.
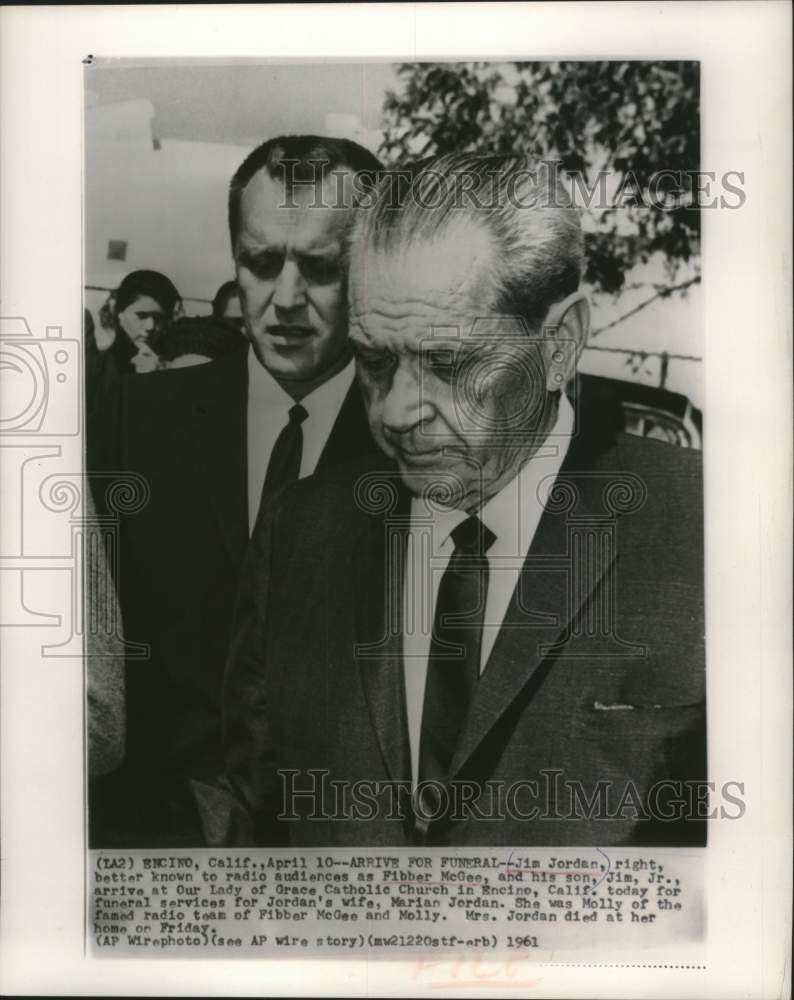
(402, 363)
(395, 521)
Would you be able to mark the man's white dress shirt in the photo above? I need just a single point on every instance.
(268, 414)
(513, 516)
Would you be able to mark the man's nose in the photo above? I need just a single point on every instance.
(290, 292)
(149, 324)
(405, 405)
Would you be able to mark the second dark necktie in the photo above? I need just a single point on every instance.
(453, 664)
(285, 459)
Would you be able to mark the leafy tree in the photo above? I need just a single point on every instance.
(630, 119)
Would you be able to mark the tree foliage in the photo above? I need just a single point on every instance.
(628, 118)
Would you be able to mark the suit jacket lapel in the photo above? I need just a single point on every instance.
(221, 443)
(541, 611)
(221, 395)
(350, 435)
(378, 566)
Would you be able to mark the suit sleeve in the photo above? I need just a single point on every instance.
(102, 413)
(105, 694)
(240, 807)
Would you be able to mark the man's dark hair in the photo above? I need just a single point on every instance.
(297, 158)
(222, 296)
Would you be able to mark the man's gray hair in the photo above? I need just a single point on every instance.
(521, 201)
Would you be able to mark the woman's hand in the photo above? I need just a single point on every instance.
(105, 330)
(145, 360)
(104, 337)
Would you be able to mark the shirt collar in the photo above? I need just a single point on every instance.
(327, 398)
(266, 391)
(513, 513)
(263, 387)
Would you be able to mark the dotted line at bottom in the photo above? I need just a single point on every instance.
(615, 965)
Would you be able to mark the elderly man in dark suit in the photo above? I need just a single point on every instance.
(211, 442)
(499, 638)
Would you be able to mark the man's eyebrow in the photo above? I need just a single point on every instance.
(451, 352)
(325, 251)
(263, 249)
(452, 346)
(361, 340)
(256, 247)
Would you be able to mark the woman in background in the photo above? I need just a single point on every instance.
(144, 303)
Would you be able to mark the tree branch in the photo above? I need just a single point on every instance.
(662, 291)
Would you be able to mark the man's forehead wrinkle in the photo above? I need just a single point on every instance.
(268, 217)
(403, 311)
(321, 218)
(258, 232)
(425, 307)
(332, 194)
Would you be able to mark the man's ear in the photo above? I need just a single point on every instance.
(565, 335)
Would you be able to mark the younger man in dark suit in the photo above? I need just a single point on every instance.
(210, 441)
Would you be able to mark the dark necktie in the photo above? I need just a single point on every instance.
(453, 664)
(285, 459)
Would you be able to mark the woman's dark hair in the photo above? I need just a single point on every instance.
(151, 283)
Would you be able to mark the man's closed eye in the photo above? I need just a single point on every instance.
(378, 364)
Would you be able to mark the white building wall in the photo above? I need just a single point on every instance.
(169, 204)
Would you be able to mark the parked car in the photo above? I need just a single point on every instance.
(644, 410)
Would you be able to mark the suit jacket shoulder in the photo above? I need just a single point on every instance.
(665, 532)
